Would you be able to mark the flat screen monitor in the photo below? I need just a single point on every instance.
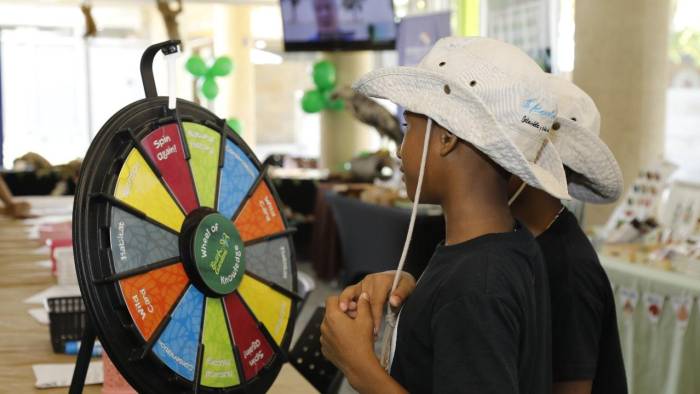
(328, 25)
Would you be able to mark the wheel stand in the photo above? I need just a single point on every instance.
(83, 362)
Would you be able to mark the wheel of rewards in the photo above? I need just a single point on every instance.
(184, 258)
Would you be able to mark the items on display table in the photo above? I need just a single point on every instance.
(183, 256)
(650, 253)
(33, 183)
(367, 167)
(32, 174)
(681, 219)
(635, 216)
(660, 232)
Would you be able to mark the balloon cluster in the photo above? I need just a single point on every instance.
(319, 99)
(222, 67)
(196, 66)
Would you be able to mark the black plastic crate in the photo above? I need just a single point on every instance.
(67, 320)
(307, 359)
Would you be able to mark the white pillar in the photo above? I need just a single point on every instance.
(621, 62)
(237, 90)
(342, 137)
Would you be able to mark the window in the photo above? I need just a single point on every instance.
(683, 95)
(58, 89)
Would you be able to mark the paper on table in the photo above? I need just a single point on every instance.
(40, 315)
(60, 375)
(53, 291)
(44, 264)
(51, 206)
(48, 219)
(43, 249)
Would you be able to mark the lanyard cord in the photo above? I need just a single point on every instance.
(390, 315)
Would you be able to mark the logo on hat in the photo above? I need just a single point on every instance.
(533, 106)
(535, 109)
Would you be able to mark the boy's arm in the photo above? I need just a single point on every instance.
(16, 209)
(5, 194)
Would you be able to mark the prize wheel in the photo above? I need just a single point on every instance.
(184, 258)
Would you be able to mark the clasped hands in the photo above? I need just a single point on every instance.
(352, 322)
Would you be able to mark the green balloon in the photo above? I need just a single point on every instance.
(326, 95)
(210, 89)
(235, 125)
(336, 105)
(221, 67)
(312, 101)
(324, 75)
(196, 66)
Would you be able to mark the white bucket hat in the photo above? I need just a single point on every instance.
(487, 93)
(597, 177)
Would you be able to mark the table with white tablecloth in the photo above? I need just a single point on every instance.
(659, 321)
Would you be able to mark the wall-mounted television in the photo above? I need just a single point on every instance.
(330, 25)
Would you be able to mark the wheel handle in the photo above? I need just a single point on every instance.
(149, 84)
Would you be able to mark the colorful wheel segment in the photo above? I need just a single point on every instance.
(196, 261)
(150, 296)
(136, 243)
(254, 347)
(139, 187)
(219, 366)
(204, 144)
(167, 152)
(178, 344)
(237, 176)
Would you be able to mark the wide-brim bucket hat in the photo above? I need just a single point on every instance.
(487, 93)
(596, 176)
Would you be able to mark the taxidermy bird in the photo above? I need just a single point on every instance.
(90, 27)
(371, 113)
(170, 14)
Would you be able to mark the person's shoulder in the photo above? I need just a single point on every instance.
(570, 254)
(502, 268)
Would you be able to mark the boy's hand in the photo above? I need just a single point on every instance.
(348, 342)
(20, 210)
(377, 287)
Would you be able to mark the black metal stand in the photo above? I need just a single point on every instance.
(83, 361)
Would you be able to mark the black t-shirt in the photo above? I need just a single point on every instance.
(585, 340)
(478, 320)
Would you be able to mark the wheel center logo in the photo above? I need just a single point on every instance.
(218, 251)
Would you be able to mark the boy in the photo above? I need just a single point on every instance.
(586, 355)
(478, 321)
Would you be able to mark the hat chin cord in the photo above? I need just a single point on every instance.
(517, 193)
(390, 320)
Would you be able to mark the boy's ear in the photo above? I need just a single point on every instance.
(448, 142)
